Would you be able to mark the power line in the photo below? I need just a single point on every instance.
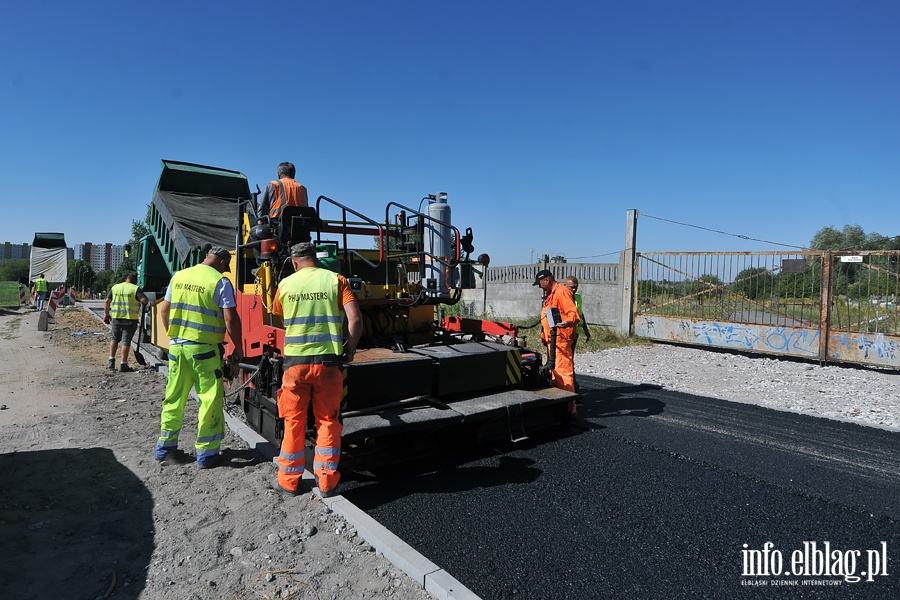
(737, 235)
(743, 237)
(596, 255)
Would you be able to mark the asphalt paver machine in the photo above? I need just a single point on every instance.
(419, 372)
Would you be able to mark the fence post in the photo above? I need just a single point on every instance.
(626, 277)
(825, 307)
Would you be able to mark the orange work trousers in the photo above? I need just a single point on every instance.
(563, 375)
(321, 387)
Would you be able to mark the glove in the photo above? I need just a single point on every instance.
(347, 356)
(106, 319)
(227, 370)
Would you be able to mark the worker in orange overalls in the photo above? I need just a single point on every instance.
(282, 192)
(560, 297)
(313, 302)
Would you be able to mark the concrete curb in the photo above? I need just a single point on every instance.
(434, 579)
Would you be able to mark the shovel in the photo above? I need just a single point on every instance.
(137, 350)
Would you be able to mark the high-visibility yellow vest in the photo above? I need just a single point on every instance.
(124, 305)
(313, 321)
(193, 314)
(577, 298)
(40, 285)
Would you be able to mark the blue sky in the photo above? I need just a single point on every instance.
(544, 122)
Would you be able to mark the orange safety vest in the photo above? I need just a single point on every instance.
(295, 192)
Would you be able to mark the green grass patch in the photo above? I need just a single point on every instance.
(604, 338)
(9, 293)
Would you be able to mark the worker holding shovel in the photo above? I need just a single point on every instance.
(122, 308)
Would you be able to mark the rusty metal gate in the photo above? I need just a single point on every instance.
(832, 306)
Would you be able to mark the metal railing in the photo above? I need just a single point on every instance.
(585, 272)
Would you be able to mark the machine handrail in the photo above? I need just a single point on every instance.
(345, 210)
(453, 261)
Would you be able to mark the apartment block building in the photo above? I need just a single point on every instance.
(101, 257)
(8, 250)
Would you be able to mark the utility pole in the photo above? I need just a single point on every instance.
(627, 275)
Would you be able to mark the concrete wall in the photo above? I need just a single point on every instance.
(509, 293)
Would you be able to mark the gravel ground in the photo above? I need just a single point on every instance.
(861, 395)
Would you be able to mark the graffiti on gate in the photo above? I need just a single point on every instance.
(770, 339)
(727, 334)
(766, 339)
(869, 346)
(785, 339)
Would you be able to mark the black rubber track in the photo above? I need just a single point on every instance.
(649, 494)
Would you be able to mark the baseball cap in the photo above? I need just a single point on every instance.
(304, 249)
(541, 275)
(220, 252)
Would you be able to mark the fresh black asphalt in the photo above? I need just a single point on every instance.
(650, 493)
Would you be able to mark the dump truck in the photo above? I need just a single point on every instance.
(417, 370)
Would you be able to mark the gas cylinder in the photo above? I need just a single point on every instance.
(438, 244)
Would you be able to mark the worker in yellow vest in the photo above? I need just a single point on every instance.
(123, 306)
(40, 289)
(198, 309)
(572, 284)
(314, 302)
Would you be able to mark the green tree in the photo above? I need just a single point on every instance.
(81, 274)
(104, 280)
(755, 282)
(140, 228)
(705, 283)
(15, 269)
(852, 237)
(800, 285)
(125, 267)
(648, 288)
(129, 264)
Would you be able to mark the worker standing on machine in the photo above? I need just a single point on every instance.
(282, 192)
(198, 309)
(313, 302)
(559, 297)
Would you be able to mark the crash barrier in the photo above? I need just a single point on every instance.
(33, 296)
(23, 295)
(73, 293)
